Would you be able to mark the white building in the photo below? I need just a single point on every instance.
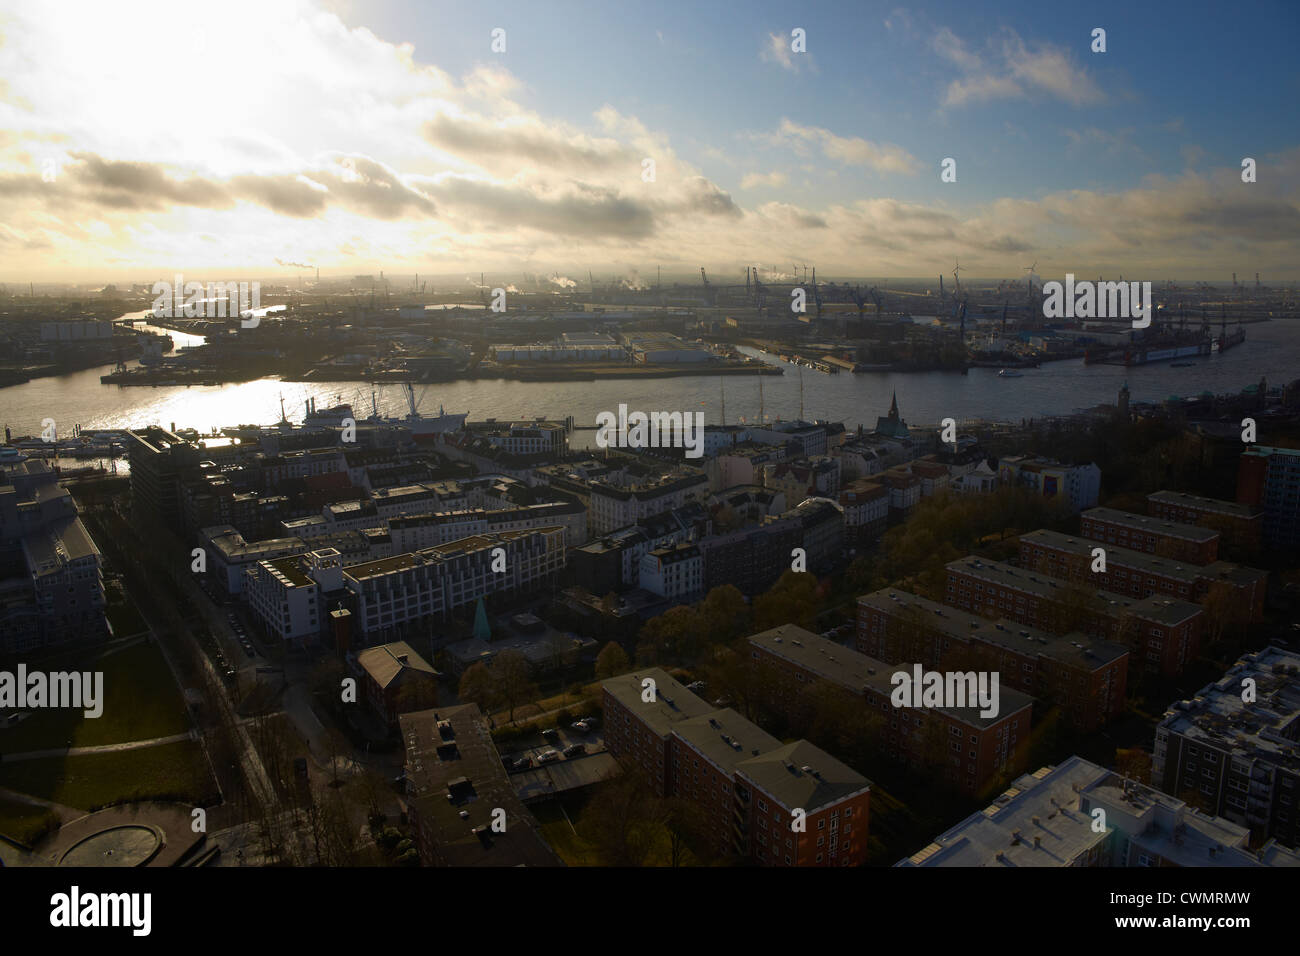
(675, 573)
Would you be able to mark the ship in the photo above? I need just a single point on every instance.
(1009, 373)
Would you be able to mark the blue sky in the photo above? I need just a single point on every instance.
(1218, 77)
(365, 135)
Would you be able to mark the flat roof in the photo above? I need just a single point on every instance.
(1170, 529)
(673, 702)
(449, 750)
(1045, 819)
(1206, 504)
(1124, 557)
(1157, 607)
(1075, 648)
(857, 672)
(1217, 715)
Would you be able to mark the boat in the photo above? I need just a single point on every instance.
(1009, 373)
(1181, 364)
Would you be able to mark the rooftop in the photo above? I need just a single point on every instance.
(1170, 529)
(857, 672)
(385, 662)
(1076, 649)
(1045, 819)
(455, 780)
(1264, 728)
(1183, 499)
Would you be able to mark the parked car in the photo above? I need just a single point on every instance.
(524, 762)
(551, 734)
(574, 750)
(548, 756)
(581, 726)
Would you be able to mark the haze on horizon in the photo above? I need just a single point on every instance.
(143, 138)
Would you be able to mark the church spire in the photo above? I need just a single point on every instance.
(893, 407)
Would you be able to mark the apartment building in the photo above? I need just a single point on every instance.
(285, 594)
(51, 572)
(866, 511)
(396, 679)
(1162, 634)
(1269, 479)
(159, 461)
(1188, 543)
(1086, 677)
(675, 573)
(752, 558)
(1141, 575)
(1239, 758)
(803, 478)
(1240, 525)
(1047, 818)
(1076, 485)
(964, 748)
(455, 784)
(435, 581)
(751, 787)
(229, 555)
(613, 506)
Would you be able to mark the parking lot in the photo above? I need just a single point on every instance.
(562, 742)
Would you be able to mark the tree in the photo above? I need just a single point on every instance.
(673, 634)
(514, 682)
(611, 661)
(792, 600)
(624, 819)
(477, 686)
(724, 613)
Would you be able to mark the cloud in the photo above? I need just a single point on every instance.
(777, 50)
(524, 139)
(850, 151)
(756, 180)
(1013, 70)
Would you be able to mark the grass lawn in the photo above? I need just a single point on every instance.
(141, 701)
(24, 822)
(125, 619)
(576, 850)
(176, 771)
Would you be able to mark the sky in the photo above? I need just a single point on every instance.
(139, 139)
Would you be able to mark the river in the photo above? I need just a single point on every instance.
(1271, 350)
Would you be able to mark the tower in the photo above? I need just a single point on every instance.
(1121, 406)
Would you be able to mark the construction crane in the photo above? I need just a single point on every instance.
(859, 300)
(760, 292)
(956, 277)
(708, 291)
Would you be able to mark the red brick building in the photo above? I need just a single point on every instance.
(1084, 676)
(1240, 525)
(959, 745)
(746, 782)
(1189, 543)
(1162, 634)
(1141, 575)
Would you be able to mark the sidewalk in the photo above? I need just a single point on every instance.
(101, 749)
